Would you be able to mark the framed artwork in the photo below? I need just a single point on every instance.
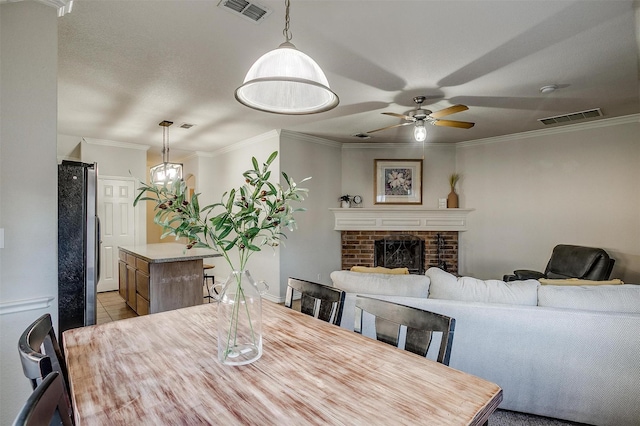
(398, 181)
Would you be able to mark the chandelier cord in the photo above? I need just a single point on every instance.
(286, 32)
(165, 145)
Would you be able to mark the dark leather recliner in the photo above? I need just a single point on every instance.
(587, 263)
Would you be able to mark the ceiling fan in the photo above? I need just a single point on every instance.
(421, 116)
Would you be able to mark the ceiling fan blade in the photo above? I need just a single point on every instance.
(389, 127)
(451, 123)
(404, 117)
(447, 111)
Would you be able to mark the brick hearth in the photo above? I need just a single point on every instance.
(358, 247)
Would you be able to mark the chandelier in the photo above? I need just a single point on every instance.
(165, 171)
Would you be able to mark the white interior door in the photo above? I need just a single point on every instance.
(117, 220)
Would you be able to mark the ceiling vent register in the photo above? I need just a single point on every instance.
(574, 116)
(252, 11)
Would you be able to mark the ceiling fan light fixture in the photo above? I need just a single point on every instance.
(286, 81)
(166, 171)
(419, 131)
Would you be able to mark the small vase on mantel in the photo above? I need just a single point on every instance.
(452, 198)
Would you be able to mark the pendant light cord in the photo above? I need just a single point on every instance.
(165, 144)
(286, 32)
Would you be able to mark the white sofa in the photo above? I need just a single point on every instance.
(568, 352)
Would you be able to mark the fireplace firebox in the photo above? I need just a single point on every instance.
(400, 251)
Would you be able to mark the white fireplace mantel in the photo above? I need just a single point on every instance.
(400, 219)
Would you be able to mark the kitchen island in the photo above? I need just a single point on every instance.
(161, 277)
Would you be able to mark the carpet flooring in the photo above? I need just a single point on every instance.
(511, 418)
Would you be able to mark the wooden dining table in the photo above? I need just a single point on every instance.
(162, 369)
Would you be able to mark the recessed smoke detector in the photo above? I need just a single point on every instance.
(362, 136)
(186, 125)
(249, 10)
(574, 116)
(549, 89)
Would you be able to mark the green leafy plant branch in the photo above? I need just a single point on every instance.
(249, 217)
(246, 218)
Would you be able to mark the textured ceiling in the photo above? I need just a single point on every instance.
(126, 66)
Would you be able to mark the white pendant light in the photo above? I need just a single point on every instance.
(420, 132)
(286, 81)
(166, 171)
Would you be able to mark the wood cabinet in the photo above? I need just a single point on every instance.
(151, 285)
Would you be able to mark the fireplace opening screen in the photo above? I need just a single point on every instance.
(402, 251)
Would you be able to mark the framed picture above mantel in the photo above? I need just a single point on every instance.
(398, 182)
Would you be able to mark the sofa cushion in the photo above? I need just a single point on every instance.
(610, 298)
(387, 284)
(380, 270)
(468, 289)
(576, 281)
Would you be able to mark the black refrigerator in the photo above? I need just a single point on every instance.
(78, 244)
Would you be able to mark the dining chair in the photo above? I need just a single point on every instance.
(420, 326)
(40, 355)
(44, 403)
(318, 300)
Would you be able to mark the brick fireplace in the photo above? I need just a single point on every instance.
(358, 247)
(438, 228)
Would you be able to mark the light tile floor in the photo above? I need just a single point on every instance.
(112, 307)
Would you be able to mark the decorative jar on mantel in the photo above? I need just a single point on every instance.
(452, 200)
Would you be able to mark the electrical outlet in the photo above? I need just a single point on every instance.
(1, 238)
(319, 277)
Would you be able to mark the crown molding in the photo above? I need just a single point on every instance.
(392, 145)
(242, 144)
(63, 6)
(595, 124)
(116, 144)
(309, 138)
(55, 3)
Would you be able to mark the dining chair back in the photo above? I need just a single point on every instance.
(40, 355)
(420, 326)
(318, 300)
(44, 403)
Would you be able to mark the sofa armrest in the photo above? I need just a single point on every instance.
(525, 274)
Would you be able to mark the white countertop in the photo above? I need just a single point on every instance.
(168, 252)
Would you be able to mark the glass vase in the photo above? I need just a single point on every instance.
(240, 320)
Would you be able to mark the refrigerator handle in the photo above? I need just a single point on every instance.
(98, 244)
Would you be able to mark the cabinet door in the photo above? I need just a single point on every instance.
(122, 279)
(142, 284)
(143, 306)
(131, 288)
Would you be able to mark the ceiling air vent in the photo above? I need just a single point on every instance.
(362, 136)
(248, 10)
(574, 116)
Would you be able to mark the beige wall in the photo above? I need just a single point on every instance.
(579, 186)
(28, 184)
(312, 251)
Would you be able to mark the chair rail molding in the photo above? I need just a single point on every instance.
(400, 219)
(25, 305)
